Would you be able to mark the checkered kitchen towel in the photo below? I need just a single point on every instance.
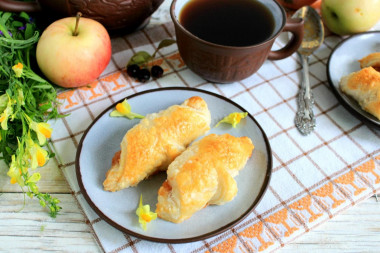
(314, 177)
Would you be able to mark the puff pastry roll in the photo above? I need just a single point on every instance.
(153, 144)
(371, 60)
(364, 87)
(203, 174)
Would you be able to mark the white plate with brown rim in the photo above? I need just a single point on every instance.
(102, 139)
(343, 61)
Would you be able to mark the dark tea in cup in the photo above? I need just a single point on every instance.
(228, 22)
(225, 41)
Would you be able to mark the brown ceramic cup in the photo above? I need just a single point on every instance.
(226, 64)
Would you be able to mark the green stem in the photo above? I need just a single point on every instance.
(19, 54)
(28, 57)
(23, 123)
(5, 31)
(3, 70)
(155, 52)
(19, 44)
(31, 75)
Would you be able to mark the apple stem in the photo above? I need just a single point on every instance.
(75, 33)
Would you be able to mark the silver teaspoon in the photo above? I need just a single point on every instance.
(313, 38)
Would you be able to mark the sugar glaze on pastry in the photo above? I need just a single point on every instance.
(364, 87)
(153, 144)
(203, 175)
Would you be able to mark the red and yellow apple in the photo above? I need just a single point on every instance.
(350, 16)
(73, 52)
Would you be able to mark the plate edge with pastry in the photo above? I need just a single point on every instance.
(198, 175)
(90, 188)
(364, 85)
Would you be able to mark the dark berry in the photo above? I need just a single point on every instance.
(143, 75)
(133, 70)
(157, 71)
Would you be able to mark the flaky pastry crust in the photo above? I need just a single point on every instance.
(153, 144)
(203, 175)
(364, 87)
(371, 60)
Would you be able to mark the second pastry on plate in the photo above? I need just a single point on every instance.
(203, 175)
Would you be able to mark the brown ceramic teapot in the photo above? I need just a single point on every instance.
(126, 15)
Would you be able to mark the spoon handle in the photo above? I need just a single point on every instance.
(305, 120)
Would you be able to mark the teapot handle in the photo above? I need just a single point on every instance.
(17, 6)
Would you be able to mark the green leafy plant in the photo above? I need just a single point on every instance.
(142, 58)
(27, 102)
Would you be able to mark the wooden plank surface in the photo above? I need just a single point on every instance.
(354, 230)
(28, 227)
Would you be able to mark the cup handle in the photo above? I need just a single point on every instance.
(294, 26)
(17, 6)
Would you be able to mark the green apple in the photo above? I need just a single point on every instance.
(72, 52)
(350, 16)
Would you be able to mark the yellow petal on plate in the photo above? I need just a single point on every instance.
(144, 214)
(233, 118)
(123, 109)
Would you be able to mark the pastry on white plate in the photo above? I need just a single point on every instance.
(156, 141)
(364, 87)
(203, 175)
(371, 60)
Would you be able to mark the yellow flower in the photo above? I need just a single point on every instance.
(123, 109)
(43, 131)
(8, 112)
(233, 118)
(13, 180)
(18, 69)
(39, 156)
(144, 214)
(14, 172)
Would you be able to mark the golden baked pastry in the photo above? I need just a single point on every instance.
(364, 87)
(153, 144)
(203, 174)
(371, 60)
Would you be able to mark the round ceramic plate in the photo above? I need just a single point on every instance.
(344, 60)
(102, 139)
